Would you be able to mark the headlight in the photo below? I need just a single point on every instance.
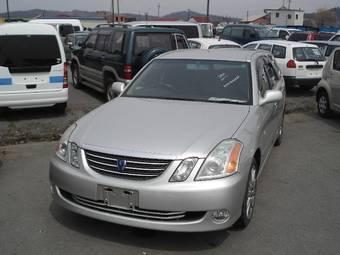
(183, 170)
(222, 161)
(62, 149)
(74, 155)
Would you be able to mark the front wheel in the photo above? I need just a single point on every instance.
(249, 198)
(323, 105)
(108, 92)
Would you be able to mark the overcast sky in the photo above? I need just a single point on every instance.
(235, 8)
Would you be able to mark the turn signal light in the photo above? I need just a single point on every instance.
(234, 158)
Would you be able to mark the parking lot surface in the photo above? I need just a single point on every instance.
(297, 207)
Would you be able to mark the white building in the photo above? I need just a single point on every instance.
(286, 17)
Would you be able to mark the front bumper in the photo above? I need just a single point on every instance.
(157, 194)
(33, 99)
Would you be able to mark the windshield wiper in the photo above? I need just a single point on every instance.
(227, 100)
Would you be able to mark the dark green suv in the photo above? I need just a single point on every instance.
(116, 53)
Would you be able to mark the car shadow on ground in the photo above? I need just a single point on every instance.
(297, 92)
(141, 238)
(31, 114)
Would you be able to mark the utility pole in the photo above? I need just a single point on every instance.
(159, 9)
(247, 15)
(146, 16)
(208, 10)
(7, 10)
(113, 10)
(289, 2)
(118, 7)
(189, 14)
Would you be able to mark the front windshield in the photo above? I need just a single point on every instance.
(194, 80)
(266, 33)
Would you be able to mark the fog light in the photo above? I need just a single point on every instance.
(221, 216)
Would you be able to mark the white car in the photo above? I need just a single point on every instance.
(328, 89)
(76, 24)
(300, 63)
(211, 43)
(33, 68)
(284, 33)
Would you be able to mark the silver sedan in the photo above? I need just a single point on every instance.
(181, 148)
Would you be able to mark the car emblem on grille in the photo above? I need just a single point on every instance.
(121, 164)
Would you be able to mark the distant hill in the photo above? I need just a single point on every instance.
(39, 13)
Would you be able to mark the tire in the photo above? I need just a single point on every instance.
(60, 108)
(108, 93)
(249, 198)
(323, 105)
(76, 76)
(278, 140)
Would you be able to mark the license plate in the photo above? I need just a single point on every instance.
(119, 198)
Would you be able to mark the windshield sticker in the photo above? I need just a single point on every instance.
(232, 81)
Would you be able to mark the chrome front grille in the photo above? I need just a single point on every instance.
(134, 168)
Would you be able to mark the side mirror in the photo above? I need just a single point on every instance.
(271, 96)
(117, 88)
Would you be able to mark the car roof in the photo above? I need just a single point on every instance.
(336, 43)
(57, 21)
(283, 43)
(138, 29)
(23, 28)
(213, 41)
(150, 23)
(236, 54)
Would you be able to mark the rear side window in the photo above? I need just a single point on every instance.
(100, 45)
(117, 41)
(279, 51)
(236, 32)
(223, 46)
(226, 31)
(24, 52)
(91, 41)
(330, 49)
(265, 47)
(148, 41)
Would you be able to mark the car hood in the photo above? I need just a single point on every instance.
(153, 128)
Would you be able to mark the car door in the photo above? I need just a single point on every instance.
(115, 58)
(334, 80)
(267, 112)
(88, 61)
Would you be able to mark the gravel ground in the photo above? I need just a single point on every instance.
(22, 126)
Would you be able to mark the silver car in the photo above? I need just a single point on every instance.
(181, 148)
(328, 89)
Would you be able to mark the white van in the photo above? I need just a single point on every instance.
(61, 25)
(191, 30)
(33, 68)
